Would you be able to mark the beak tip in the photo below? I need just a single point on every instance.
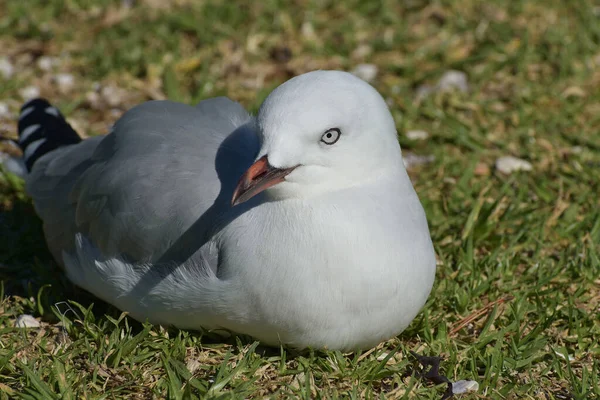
(235, 199)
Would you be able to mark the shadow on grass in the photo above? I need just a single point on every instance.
(27, 269)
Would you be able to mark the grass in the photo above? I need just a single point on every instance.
(516, 303)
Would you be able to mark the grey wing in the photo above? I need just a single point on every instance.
(49, 185)
(134, 192)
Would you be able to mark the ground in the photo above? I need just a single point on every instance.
(516, 302)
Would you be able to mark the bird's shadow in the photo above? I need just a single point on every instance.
(27, 269)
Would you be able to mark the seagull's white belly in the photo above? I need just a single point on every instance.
(343, 286)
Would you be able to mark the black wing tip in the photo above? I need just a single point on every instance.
(42, 128)
(36, 102)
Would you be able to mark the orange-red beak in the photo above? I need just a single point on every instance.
(260, 176)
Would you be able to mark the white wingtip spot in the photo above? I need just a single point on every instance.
(28, 132)
(30, 150)
(26, 112)
(52, 111)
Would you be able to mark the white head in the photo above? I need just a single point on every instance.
(321, 131)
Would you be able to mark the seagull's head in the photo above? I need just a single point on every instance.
(321, 131)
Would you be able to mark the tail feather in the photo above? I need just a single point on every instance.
(42, 128)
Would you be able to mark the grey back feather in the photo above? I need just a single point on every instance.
(134, 192)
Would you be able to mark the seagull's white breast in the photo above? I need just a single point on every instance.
(336, 271)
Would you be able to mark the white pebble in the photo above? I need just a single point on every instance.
(112, 95)
(6, 68)
(510, 164)
(453, 80)
(46, 63)
(362, 51)
(65, 82)
(569, 357)
(463, 386)
(29, 92)
(94, 99)
(417, 135)
(413, 160)
(576, 149)
(27, 321)
(366, 72)
(4, 111)
(308, 30)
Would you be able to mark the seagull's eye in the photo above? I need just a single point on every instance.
(331, 136)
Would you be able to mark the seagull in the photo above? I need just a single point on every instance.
(298, 226)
